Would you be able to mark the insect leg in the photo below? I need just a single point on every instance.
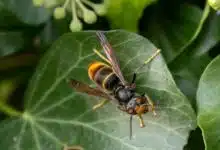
(141, 120)
(152, 105)
(122, 107)
(101, 104)
(101, 56)
(131, 126)
(134, 78)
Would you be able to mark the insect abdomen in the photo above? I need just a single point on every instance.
(103, 75)
(94, 68)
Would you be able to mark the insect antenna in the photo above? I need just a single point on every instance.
(131, 126)
(148, 60)
(134, 78)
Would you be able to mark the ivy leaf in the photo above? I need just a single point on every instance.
(209, 104)
(125, 14)
(56, 115)
(10, 42)
(27, 12)
(7, 18)
(206, 40)
(174, 32)
(187, 76)
(210, 35)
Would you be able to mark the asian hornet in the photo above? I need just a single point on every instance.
(111, 85)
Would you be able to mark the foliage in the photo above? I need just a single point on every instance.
(208, 104)
(38, 57)
(126, 13)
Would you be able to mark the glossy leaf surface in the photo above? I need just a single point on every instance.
(209, 104)
(26, 11)
(10, 42)
(174, 32)
(56, 115)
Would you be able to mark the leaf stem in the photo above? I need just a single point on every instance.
(16, 61)
(74, 10)
(66, 4)
(9, 110)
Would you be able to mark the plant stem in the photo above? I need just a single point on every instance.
(21, 60)
(66, 4)
(73, 4)
(9, 110)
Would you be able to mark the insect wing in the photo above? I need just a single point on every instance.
(111, 56)
(84, 88)
(99, 92)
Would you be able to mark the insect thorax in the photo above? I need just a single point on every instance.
(124, 94)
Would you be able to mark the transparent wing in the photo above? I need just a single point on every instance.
(111, 56)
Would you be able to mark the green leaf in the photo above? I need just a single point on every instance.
(187, 75)
(206, 40)
(52, 30)
(209, 104)
(7, 18)
(189, 65)
(174, 32)
(125, 14)
(10, 42)
(56, 115)
(27, 12)
(209, 36)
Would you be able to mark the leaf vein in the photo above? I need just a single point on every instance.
(58, 103)
(36, 81)
(48, 134)
(124, 42)
(86, 126)
(35, 135)
(57, 82)
(20, 135)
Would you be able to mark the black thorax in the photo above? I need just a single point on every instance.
(123, 93)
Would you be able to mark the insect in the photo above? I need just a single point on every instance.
(112, 86)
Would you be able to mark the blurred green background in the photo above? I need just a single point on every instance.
(187, 32)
